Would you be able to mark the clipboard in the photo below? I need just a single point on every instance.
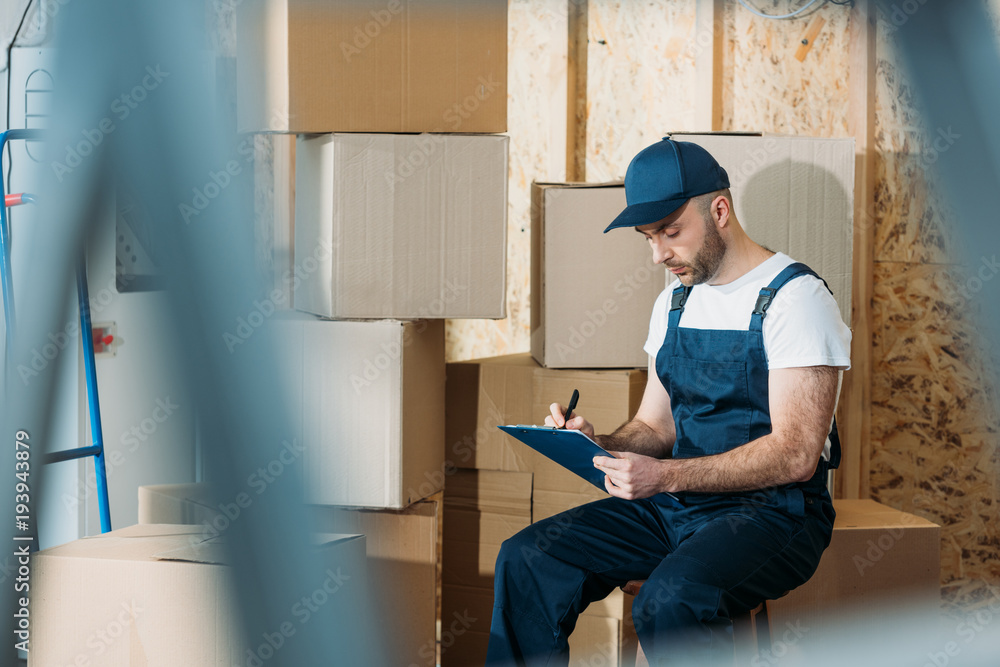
(569, 448)
(573, 450)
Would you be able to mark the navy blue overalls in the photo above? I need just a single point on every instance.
(706, 557)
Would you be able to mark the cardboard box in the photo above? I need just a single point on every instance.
(794, 195)
(482, 509)
(601, 640)
(404, 559)
(401, 226)
(516, 390)
(372, 409)
(189, 504)
(878, 557)
(154, 595)
(402, 551)
(306, 66)
(591, 293)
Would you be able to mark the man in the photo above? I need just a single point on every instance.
(719, 482)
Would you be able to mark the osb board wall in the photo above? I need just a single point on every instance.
(935, 426)
(766, 88)
(640, 67)
(536, 122)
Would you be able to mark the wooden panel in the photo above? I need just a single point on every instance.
(934, 420)
(641, 69)
(576, 91)
(854, 410)
(913, 223)
(536, 120)
(769, 89)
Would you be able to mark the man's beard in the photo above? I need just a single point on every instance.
(709, 258)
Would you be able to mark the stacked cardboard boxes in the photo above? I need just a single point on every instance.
(163, 594)
(400, 198)
(496, 473)
(403, 557)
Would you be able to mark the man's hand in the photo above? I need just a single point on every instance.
(575, 422)
(631, 476)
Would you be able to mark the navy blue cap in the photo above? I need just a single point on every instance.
(664, 176)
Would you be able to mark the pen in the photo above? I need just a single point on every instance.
(572, 404)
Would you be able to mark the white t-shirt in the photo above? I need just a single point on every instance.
(802, 327)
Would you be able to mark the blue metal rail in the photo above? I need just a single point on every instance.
(86, 332)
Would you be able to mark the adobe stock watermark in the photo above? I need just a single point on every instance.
(100, 641)
(756, 158)
(429, 143)
(877, 547)
(221, 178)
(258, 481)
(898, 14)
(464, 450)
(373, 367)
(577, 336)
(780, 648)
(647, 605)
(974, 624)
(50, 351)
(131, 439)
(263, 309)
(985, 272)
(302, 611)
(602, 655)
(47, 11)
(556, 527)
(451, 630)
(365, 34)
(121, 108)
(933, 148)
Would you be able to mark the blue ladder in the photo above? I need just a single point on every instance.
(86, 332)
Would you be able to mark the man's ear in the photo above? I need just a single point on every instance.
(720, 210)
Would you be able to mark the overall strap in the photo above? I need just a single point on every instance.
(764, 299)
(766, 294)
(677, 301)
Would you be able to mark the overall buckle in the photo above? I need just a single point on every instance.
(764, 300)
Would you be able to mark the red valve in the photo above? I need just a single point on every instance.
(101, 341)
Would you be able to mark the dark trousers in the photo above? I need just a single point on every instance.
(704, 563)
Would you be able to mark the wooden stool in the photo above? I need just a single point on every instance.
(751, 631)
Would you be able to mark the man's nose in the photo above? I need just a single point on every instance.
(661, 249)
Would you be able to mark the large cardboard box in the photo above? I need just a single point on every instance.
(151, 595)
(372, 66)
(404, 560)
(794, 195)
(402, 551)
(877, 558)
(482, 509)
(401, 226)
(190, 504)
(514, 389)
(371, 414)
(591, 293)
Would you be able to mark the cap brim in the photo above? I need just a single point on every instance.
(646, 213)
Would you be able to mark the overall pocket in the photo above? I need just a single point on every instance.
(711, 406)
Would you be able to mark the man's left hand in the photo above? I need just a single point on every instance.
(631, 476)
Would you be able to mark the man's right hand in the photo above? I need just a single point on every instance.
(575, 421)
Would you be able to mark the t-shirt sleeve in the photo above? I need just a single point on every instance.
(803, 327)
(658, 323)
